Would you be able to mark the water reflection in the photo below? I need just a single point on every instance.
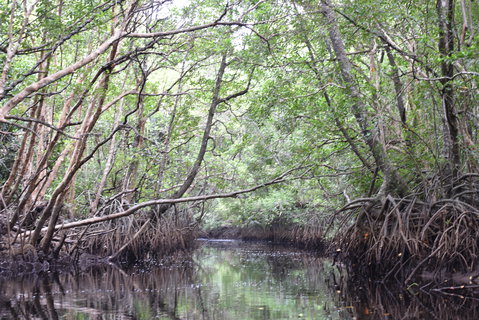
(380, 301)
(259, 282)
(224, 280)
(103, 293)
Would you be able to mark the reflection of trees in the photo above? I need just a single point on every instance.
(95, 294)
(374, 301)
(276, 283)
(35, 300)
(241, 283)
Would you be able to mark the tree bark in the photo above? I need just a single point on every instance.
(392, 182)
(451, 153)
(92, 115)
(108, 165)
(22, 95)
(215, 101)
(131, 177)
(326, 96)
(398, 87)
(171, 125)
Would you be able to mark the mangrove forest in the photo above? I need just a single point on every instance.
(130, 128)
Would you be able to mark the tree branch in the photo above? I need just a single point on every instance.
(135, 208)
(190, 29)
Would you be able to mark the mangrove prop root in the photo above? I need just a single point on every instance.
(424, 230)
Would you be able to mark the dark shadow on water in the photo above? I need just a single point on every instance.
(223, 280)
(373, 300)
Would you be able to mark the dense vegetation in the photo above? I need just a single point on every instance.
(124, 124)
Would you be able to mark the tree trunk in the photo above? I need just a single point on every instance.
(108, 165)
(451, 153)
(26, 201)
(92, 114)
(398, 87)
(131, 176)
(337, 121)
(171, 125)
(392, 182)
(215, 101)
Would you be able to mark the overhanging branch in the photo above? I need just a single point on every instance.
(132, 210)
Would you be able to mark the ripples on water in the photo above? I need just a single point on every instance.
(224, 280)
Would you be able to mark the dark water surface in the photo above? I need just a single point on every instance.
(225, 280)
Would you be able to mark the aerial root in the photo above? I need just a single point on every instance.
(309, 235)
(158, 237)
(416, 231)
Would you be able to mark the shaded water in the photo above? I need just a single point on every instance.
(224, 280)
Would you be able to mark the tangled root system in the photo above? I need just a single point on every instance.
(308, 236)
(429, 229)
(145, 238)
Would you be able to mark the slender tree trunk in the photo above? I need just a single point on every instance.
(215, 101)
(22, 95)
(28, 162)
(171, 126)
(35, 189)
(15, 40)
(398, 87)
(54, 205)
(108, 165)
(39, 165)
(65, 116)
(445, 12)
(131, 176)
(392, 181)
(340, 126)
(7, 189)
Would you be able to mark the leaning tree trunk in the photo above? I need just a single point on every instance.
(27, 163)
(171, 126)
(392, 182)
(216, 100)
(108, 165)
(93, 113)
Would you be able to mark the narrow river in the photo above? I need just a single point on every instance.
(224, 280)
